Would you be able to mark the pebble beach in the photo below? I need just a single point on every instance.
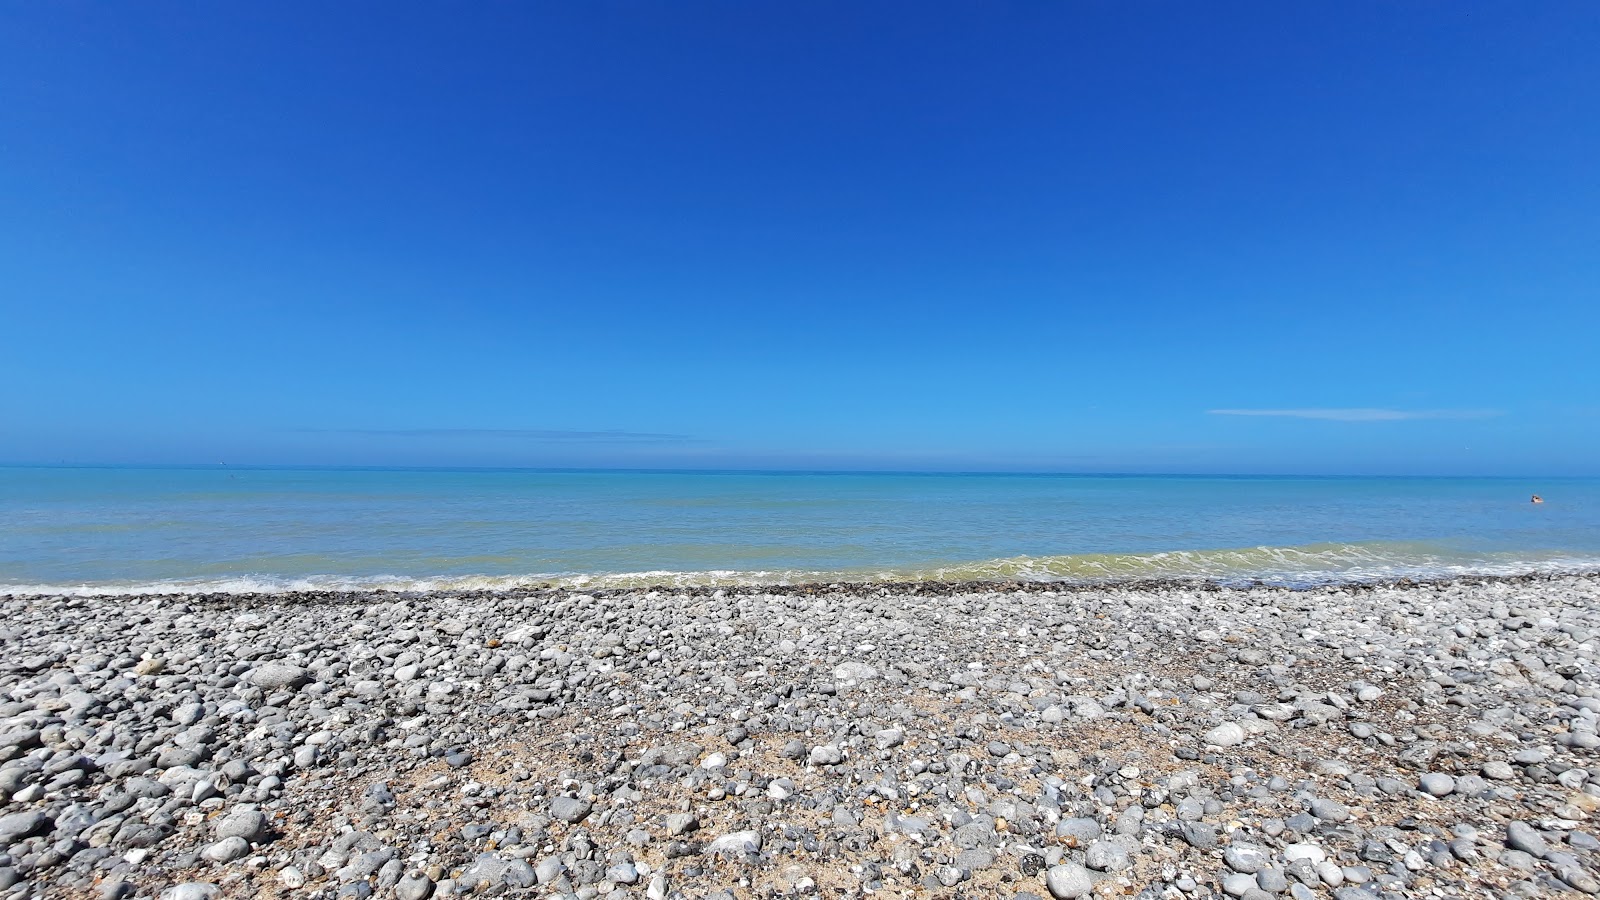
(1151, 740)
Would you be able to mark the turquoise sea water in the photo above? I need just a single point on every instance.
(225, 528)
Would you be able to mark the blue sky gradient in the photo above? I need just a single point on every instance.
(1222, 237)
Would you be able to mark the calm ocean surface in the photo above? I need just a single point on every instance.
(144, 529)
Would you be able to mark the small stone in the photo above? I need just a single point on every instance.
(490, 870)
(1329, 810)
(854, 671)
(1200, 835)
(1330, 873)
(736, 843)
(1522, 836)
(1246, 858)
(277, 676)
(1438, 784)
(1237, 884)
(1080, 830)
(1516, 859)
(245, 822)
(1107, 856)
(1228, 734)
(1498, 770)
(549, 869)
(569, 809)
(413, 887)
(826, 755)
(681, 823)
(1068, 880)
(152, 666)
(1272, 880)
(227, 850)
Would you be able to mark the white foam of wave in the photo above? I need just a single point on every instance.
(1286, 566)
(266, 584)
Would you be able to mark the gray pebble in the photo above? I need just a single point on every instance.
(1273, 880)
(413, 887)
(1438, 784)
(1329, 810)
(227, 850)
(1068, 881)
(826, 755)
(16, 826)
(244, 822)
(1522, 836)
(1246, 858)
(1107, 856)
(1237, 884)
(570, 809)
(1228, 734)
(276, 676)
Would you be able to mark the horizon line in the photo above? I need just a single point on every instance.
(653, 470)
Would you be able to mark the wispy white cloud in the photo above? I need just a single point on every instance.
(1361, 414)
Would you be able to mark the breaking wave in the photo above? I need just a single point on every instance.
(1302, 566)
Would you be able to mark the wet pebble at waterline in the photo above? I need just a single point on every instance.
(973, 740)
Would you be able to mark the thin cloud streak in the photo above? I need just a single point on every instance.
(529, 434)
(1361, 414)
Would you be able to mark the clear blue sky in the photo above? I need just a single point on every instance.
(1263, 237)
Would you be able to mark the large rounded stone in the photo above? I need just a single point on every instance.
(21, 825)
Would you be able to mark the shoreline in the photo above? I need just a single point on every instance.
(1171, 741)
(913, 587)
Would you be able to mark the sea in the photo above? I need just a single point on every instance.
(133, 530)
